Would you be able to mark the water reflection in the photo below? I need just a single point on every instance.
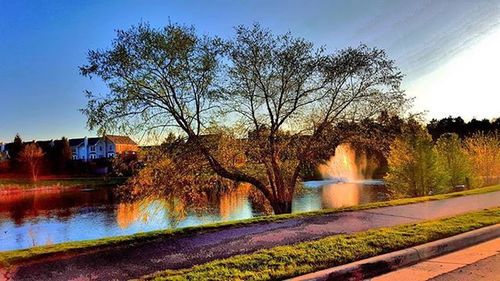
(341, 195)
(58, 215)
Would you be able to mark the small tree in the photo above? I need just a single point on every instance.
(414, 169)
(483, 151)
(32, 156)
(453, 158)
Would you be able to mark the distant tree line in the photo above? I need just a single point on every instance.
(463, 129)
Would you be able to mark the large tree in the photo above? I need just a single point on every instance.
(282, 91)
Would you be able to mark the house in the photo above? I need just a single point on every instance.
(105, 147)
(4, 155)
(86, 149)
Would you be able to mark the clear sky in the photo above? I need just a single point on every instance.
(448, 50)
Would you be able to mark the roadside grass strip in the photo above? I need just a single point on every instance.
(8, 258)
(306, 257)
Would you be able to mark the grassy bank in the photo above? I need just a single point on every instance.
(289, 261)
(64, 182)
(17, 256)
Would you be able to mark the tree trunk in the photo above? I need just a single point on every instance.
(282, 207)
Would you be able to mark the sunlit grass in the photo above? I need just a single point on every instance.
(65, 182)
(289, 261)
(17, 256)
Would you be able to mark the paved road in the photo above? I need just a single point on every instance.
(135, 261)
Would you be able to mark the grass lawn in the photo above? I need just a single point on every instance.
(289, 261)
(65, 182)
(17, 256)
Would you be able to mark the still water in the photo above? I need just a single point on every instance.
(51, 216)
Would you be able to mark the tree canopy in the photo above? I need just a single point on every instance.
(277, 90)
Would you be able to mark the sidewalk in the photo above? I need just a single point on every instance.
(467, 264)
(134, 261)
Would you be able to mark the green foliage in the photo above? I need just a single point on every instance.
(483, 151)
(289, 261)
(453, 158)
(414, 169)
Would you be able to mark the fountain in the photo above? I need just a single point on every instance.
(345, 175)
(345, 165)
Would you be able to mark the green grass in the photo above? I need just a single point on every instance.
(18, 256)
(65, 182)
(289, 261)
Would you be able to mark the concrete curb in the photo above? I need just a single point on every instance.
(378, 265)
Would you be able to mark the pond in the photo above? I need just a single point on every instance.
(51, 216)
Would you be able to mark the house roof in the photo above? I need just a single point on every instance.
(93, 141)
(75, 142)
(120, 139)
(79, 141)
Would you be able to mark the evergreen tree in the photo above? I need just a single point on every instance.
(62, 152)
(14, 151)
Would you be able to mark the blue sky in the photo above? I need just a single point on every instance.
(448, 50)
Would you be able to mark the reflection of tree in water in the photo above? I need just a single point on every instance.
(126, 214)
(147, 209)
(176, 181)
(51, 201)
(176, 211)
(222, 202)
(233, 200)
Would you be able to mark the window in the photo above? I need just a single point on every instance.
(92, 156)
(110, 147)
(111, 155)
(100, 148)
(92, 148)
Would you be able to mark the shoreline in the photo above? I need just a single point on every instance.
(13, 186)
(78, 247)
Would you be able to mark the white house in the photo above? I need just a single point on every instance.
(106, 147)
(4, 155)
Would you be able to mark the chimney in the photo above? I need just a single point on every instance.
(86, 145)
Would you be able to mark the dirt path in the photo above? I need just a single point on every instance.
(135, 261)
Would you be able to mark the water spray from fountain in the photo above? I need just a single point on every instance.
(345, 165)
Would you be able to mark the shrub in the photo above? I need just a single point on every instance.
(483, 151)
(454, 160)
(414, 169)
